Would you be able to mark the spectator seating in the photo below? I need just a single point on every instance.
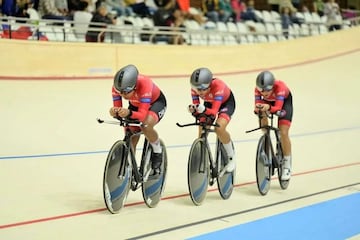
(131, 30)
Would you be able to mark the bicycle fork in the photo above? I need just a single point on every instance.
(123, 163)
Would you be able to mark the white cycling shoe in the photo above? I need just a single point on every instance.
(230, 167)
(286, 174)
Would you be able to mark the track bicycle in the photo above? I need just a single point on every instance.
(269, 155)
(122, 172)
(204, 169)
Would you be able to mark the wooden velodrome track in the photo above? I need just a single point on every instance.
(52, 151)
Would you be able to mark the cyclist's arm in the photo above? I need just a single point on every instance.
(215, 106)
(143, 109)
(117, 101)
(195, 97)
(278, 104)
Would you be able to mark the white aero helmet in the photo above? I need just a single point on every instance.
(125, 79)
(201, 78)
(265, 81)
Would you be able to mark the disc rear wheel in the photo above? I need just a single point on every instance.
(226, 181)
(153, 187)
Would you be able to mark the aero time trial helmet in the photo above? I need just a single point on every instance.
(126, 78)
(201, 78)
(265, 81)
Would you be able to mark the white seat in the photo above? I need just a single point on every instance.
(275, 16)
(272, 38)
(316, 18)
(296, 30)
(259, 14)
(308, 17)
(221, 26)
(323, 29)
(192, 24)
(230, 40)
(262, 39)
(270, 28)
(260, 28)
(195, 37)
(267, 17)
(232, 28)
(278, 28)
(314, 29)
(138, 22)
(299, 15)
(251, 38)
(243, 40)
(215, 39)
(304, 30)
(59, 33)
(210, 25)
(242, 28)
(148, 22)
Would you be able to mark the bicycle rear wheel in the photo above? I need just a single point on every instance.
(226, 181)
(263, 166)
(116, 180)
(198, 171)
(153, 187)
(280, 156)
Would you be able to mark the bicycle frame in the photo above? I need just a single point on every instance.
(122, 173)
(271, 156)
(205, 130)
(268, 129)
(204, 168)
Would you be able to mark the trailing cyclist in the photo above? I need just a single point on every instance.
(218, 102)
(274, 96)
(147, 104)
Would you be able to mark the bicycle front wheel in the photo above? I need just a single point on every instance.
(225, 182)
(116, 180)
(153, 187)
(198, 171)
(263, 166)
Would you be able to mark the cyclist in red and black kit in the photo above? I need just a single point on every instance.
(146, 103)
(218, 102)
(275, 97)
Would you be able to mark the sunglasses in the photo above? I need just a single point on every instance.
(126, 90)
(202, 87)
(265, 89)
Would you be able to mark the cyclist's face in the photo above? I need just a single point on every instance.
(266, 93)
(202, 92)
(127, 95)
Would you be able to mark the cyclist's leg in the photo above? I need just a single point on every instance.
(156, 112)
(226, 111)
(284, 126)
(134, 139)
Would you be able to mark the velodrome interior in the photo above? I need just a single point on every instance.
(53, 151)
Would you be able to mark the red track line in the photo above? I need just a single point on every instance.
(165, 198)
(105, 77)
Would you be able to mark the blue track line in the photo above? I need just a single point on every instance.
(329, 131)
(335, 219)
